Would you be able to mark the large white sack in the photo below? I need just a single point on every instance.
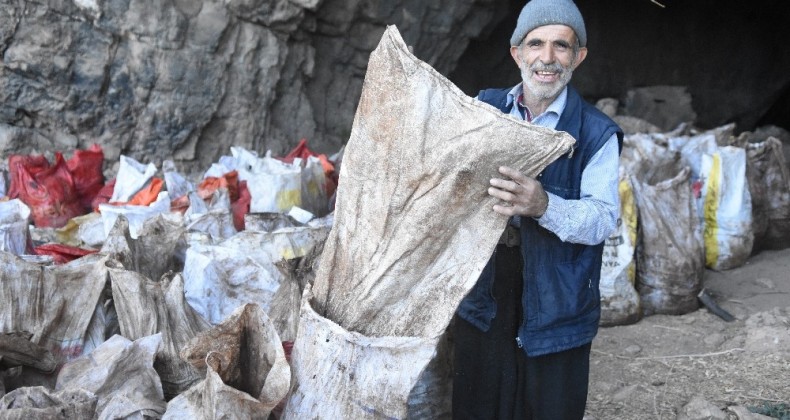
(721, 194)
(413, 230)
(620, 302)
(136, 215)
(725, 207)
(14, 226)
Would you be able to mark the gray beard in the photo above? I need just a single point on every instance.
(544, 91)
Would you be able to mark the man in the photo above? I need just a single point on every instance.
(523, 333)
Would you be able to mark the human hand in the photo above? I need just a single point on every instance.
(521, 195)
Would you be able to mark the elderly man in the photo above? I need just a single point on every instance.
(524, 332)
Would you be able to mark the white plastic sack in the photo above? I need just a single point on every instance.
(725, 207)
(718, 178)
(14, 226)
(177, 185)
(220, 278)
(121, 374)
(132, 177)
(274, 186)
(215, 220)
(620, 303)
(413, 230)
(136, 215)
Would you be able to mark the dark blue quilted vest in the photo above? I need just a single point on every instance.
(561, 299)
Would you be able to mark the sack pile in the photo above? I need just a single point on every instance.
(690, 200)
(153, 295)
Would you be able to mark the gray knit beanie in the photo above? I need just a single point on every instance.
(549, 12)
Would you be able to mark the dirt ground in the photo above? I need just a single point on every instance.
(652, 369)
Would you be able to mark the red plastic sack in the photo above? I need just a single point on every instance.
(62, 254)
(241, 206)
(230, 181)
(48, 190)
(104, 195)
(302, 151)
(85, 167)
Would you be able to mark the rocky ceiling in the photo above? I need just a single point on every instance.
(187, 79)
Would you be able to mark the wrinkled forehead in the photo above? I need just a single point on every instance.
(550, 33)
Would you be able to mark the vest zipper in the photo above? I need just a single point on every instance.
(570, 154)
(518, 342)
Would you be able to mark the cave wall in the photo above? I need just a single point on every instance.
(187, 79)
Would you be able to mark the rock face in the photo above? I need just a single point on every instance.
(186, 79)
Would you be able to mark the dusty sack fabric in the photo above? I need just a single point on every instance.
(121, 374)
(342, 374)
(413, 218)
(769, 184)
(154, 252)
(670, 253)
(413, 229)
(54, 304)
(147, 307)
(245, 367)
(41, 403)
(220, 278)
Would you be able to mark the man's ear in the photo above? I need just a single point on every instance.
(580, 56)
(514, 54)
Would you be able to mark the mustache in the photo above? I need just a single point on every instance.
(553, 67)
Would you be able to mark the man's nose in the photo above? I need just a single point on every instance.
(547, 55)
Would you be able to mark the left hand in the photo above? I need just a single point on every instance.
(521, 195)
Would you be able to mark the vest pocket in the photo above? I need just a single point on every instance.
(570, 292)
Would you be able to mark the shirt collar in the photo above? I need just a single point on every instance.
(557, 106)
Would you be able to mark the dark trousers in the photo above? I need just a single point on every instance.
(494, 379)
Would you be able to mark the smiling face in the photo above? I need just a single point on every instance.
(547, 57)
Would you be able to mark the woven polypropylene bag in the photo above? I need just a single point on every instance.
(414, 227)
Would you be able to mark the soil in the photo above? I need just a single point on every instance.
(652, 369)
